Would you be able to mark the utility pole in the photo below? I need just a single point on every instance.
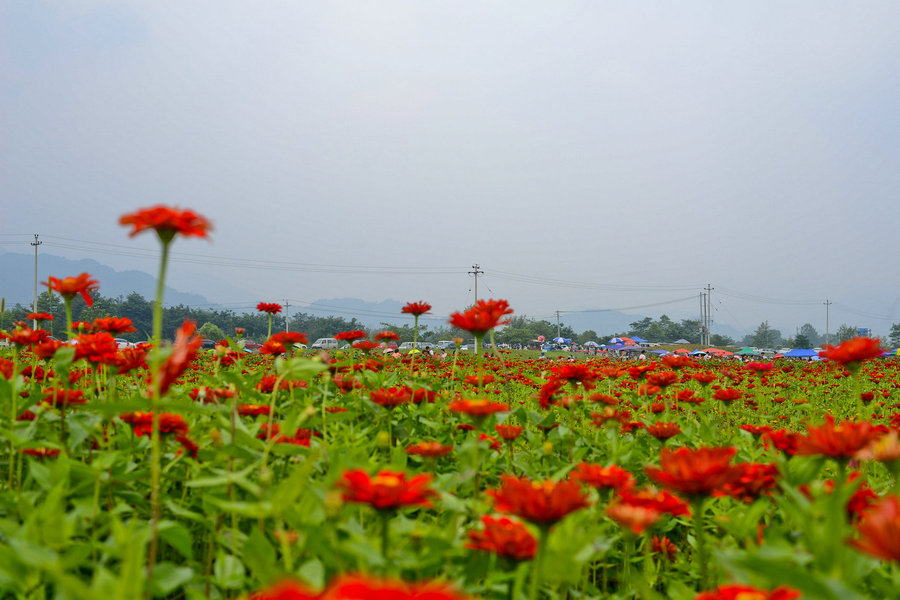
(35, 243)
(702, 318)
(287, 324)
(557, 325)
(709, 290)
(476, 272)
(827, 304)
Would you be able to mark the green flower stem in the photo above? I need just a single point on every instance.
(155, 446)
(68, 317)
(269, 334)
(538, 563)
(699, 505)
(385, 536)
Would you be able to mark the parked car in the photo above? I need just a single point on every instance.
(326, 343)
(123, 343)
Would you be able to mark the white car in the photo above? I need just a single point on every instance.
(122, 343)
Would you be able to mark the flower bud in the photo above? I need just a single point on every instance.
(548, 448)
(383, 440)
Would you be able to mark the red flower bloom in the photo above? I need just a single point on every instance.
(289, 338)
(142, 422)
(598, 477)
(542, 503)
(269, 307)
(390, 397)
(68, 287)
(482, 317)
(97, 348)
(47, 348)
(366, 345)
(183, 352)
(509, 432)
(477, 408)
(416, 308)
(879, 529)
(350, 336)
(842, 441)
(786, 441)
(385, 336)
(114, 325)
(662, 379)
(388, 490)
(361, 587)
(25, 336)
(272, 347)
(728, 394)
(704, 378)
(753, 481)
(429, 449)
(851, 353)
(494, 442)
(677, 361)
(631, 516)
(694, 472)
(41, 452)
(745, 592)
(662, 502)
(663, 545)
(252, 410)
(41, 316)
(503, 537)
(132, 358)
(662, 431)
(59, 396)
(575, 373)
(167, 222)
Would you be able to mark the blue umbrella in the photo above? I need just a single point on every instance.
(800, 353)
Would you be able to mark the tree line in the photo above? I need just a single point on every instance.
(216, 324)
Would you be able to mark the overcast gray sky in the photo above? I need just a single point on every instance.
(634, 150)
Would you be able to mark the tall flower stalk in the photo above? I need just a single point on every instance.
(167, 222)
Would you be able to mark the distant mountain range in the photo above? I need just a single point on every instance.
(17, 279)
(17, 286)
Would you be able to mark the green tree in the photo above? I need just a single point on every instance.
(587, 336)
(765, 336)
(845, 332)
(801, 341)
(894, 336)
(807, 330)
(717, 339)
(211, 331)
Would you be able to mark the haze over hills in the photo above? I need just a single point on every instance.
(17, 286)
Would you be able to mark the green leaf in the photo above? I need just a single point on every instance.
(228, 571)
(177, 536)
(313, 573)
(260, 557)
(166, 578)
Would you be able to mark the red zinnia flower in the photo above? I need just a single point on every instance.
(660, 501)
(509, 432)
(842, 441)
(366, 345)
(183, 352)
(167, 222)
(350, 336)
(387, 336)
(47, 348)
(114, 325)
(41, 316)
(416, 308)
(272, 347)
(745, 592)
(851, 353)
(694, 472)
(753, 481)
(663, 545)
(390, 397)
(253, 410)
(786, 441)
(289, 338)
(41, 452)
(631, 516)
(272, 308)
(25, 336)
(142, 422)
(542, 503)
(662, 379)
(504, 537)
(97, 348)
(482, 317)
(662, 431)
(728, 394)
(598, 477)
(387, 490)
(429, 449)
(68, 287)
(879, 529)
(361, 587)
(477, 408)
(59, 396)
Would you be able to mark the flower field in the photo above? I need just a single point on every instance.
(175, 472)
